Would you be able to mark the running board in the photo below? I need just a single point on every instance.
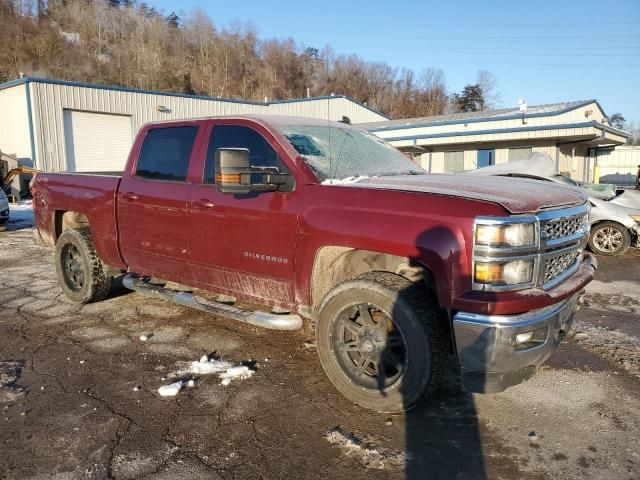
(259, 319)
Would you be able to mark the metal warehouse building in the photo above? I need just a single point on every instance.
(68, 126)
(575, 134)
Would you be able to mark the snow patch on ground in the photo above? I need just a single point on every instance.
(20, 215)
(226, 371)
(368, 454)
(343, 181)
(170, 390)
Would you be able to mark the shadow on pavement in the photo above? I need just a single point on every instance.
(443, 438)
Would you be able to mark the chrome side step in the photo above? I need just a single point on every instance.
(259, 319)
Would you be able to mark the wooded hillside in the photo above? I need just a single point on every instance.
(129, 43)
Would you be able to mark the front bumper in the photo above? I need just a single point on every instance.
(635, 230)
(486, 344)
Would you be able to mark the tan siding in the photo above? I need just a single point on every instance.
(471, 152)
(619, 165)
(50, 101)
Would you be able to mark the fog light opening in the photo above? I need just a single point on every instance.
(530, 339)
(524, 337)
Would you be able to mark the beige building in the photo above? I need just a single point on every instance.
(618, 165)
(571, 132)
(69, 126)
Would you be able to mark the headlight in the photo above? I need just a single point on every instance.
(506, 235)
(509, 273)
(636, 218)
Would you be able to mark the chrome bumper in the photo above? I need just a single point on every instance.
(490, 361)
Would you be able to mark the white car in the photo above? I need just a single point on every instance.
(4, 210)
(614, 215)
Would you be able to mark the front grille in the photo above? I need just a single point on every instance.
(555, 266)
(564, 227)
(562, 235)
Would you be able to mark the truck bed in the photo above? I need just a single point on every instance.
(93, 195)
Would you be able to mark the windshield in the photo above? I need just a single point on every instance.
(566, 180)
(343, 152)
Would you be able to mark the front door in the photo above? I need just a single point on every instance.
(486, 158)
(243, 245)
(152, 204)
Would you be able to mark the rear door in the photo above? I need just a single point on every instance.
(152, 199)
(244, 245)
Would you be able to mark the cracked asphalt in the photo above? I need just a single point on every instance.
(78, 396)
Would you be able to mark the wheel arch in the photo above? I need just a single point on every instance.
(66, 219)
(629, 235)
(334, 264)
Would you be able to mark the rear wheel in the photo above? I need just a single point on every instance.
(81, 274)
(380, 343)
(609, 238)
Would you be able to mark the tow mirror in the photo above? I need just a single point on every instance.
(235, 175)
(233, 170)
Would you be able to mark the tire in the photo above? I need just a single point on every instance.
(81, 274)
(408, 318)
(609, 238)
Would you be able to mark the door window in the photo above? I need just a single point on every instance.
(486, 158)
(165, 153)
(261, 153)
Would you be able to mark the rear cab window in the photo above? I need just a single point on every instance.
(165, 153)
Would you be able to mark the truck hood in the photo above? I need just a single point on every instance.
(516, 195)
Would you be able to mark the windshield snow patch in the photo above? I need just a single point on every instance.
(343, 181)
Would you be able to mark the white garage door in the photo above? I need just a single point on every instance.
(96, 142)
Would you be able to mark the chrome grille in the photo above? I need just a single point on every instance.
(562, 235)
(555, 266)
(563, 227)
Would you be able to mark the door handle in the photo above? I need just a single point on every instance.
(129, 196)
(203, 203)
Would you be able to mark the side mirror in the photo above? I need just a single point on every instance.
(235, 175)
(233, 170)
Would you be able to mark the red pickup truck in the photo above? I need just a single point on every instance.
(301, 218)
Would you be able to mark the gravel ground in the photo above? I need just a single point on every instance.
(78, 395)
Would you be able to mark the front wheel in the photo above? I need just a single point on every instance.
(609, 238)
(380, 343)
(81, 274)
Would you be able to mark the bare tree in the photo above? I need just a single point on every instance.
(130, 43)
(488, 84)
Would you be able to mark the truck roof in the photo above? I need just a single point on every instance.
(264, 119)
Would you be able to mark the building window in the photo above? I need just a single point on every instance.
(486, 158)
(520, 153)
(454, 161)
(165, 153)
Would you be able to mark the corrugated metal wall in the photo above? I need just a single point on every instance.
(618, 166)
(50, 100)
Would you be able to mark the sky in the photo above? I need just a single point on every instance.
(543, 51)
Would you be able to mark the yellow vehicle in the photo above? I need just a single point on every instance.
(6, 181)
